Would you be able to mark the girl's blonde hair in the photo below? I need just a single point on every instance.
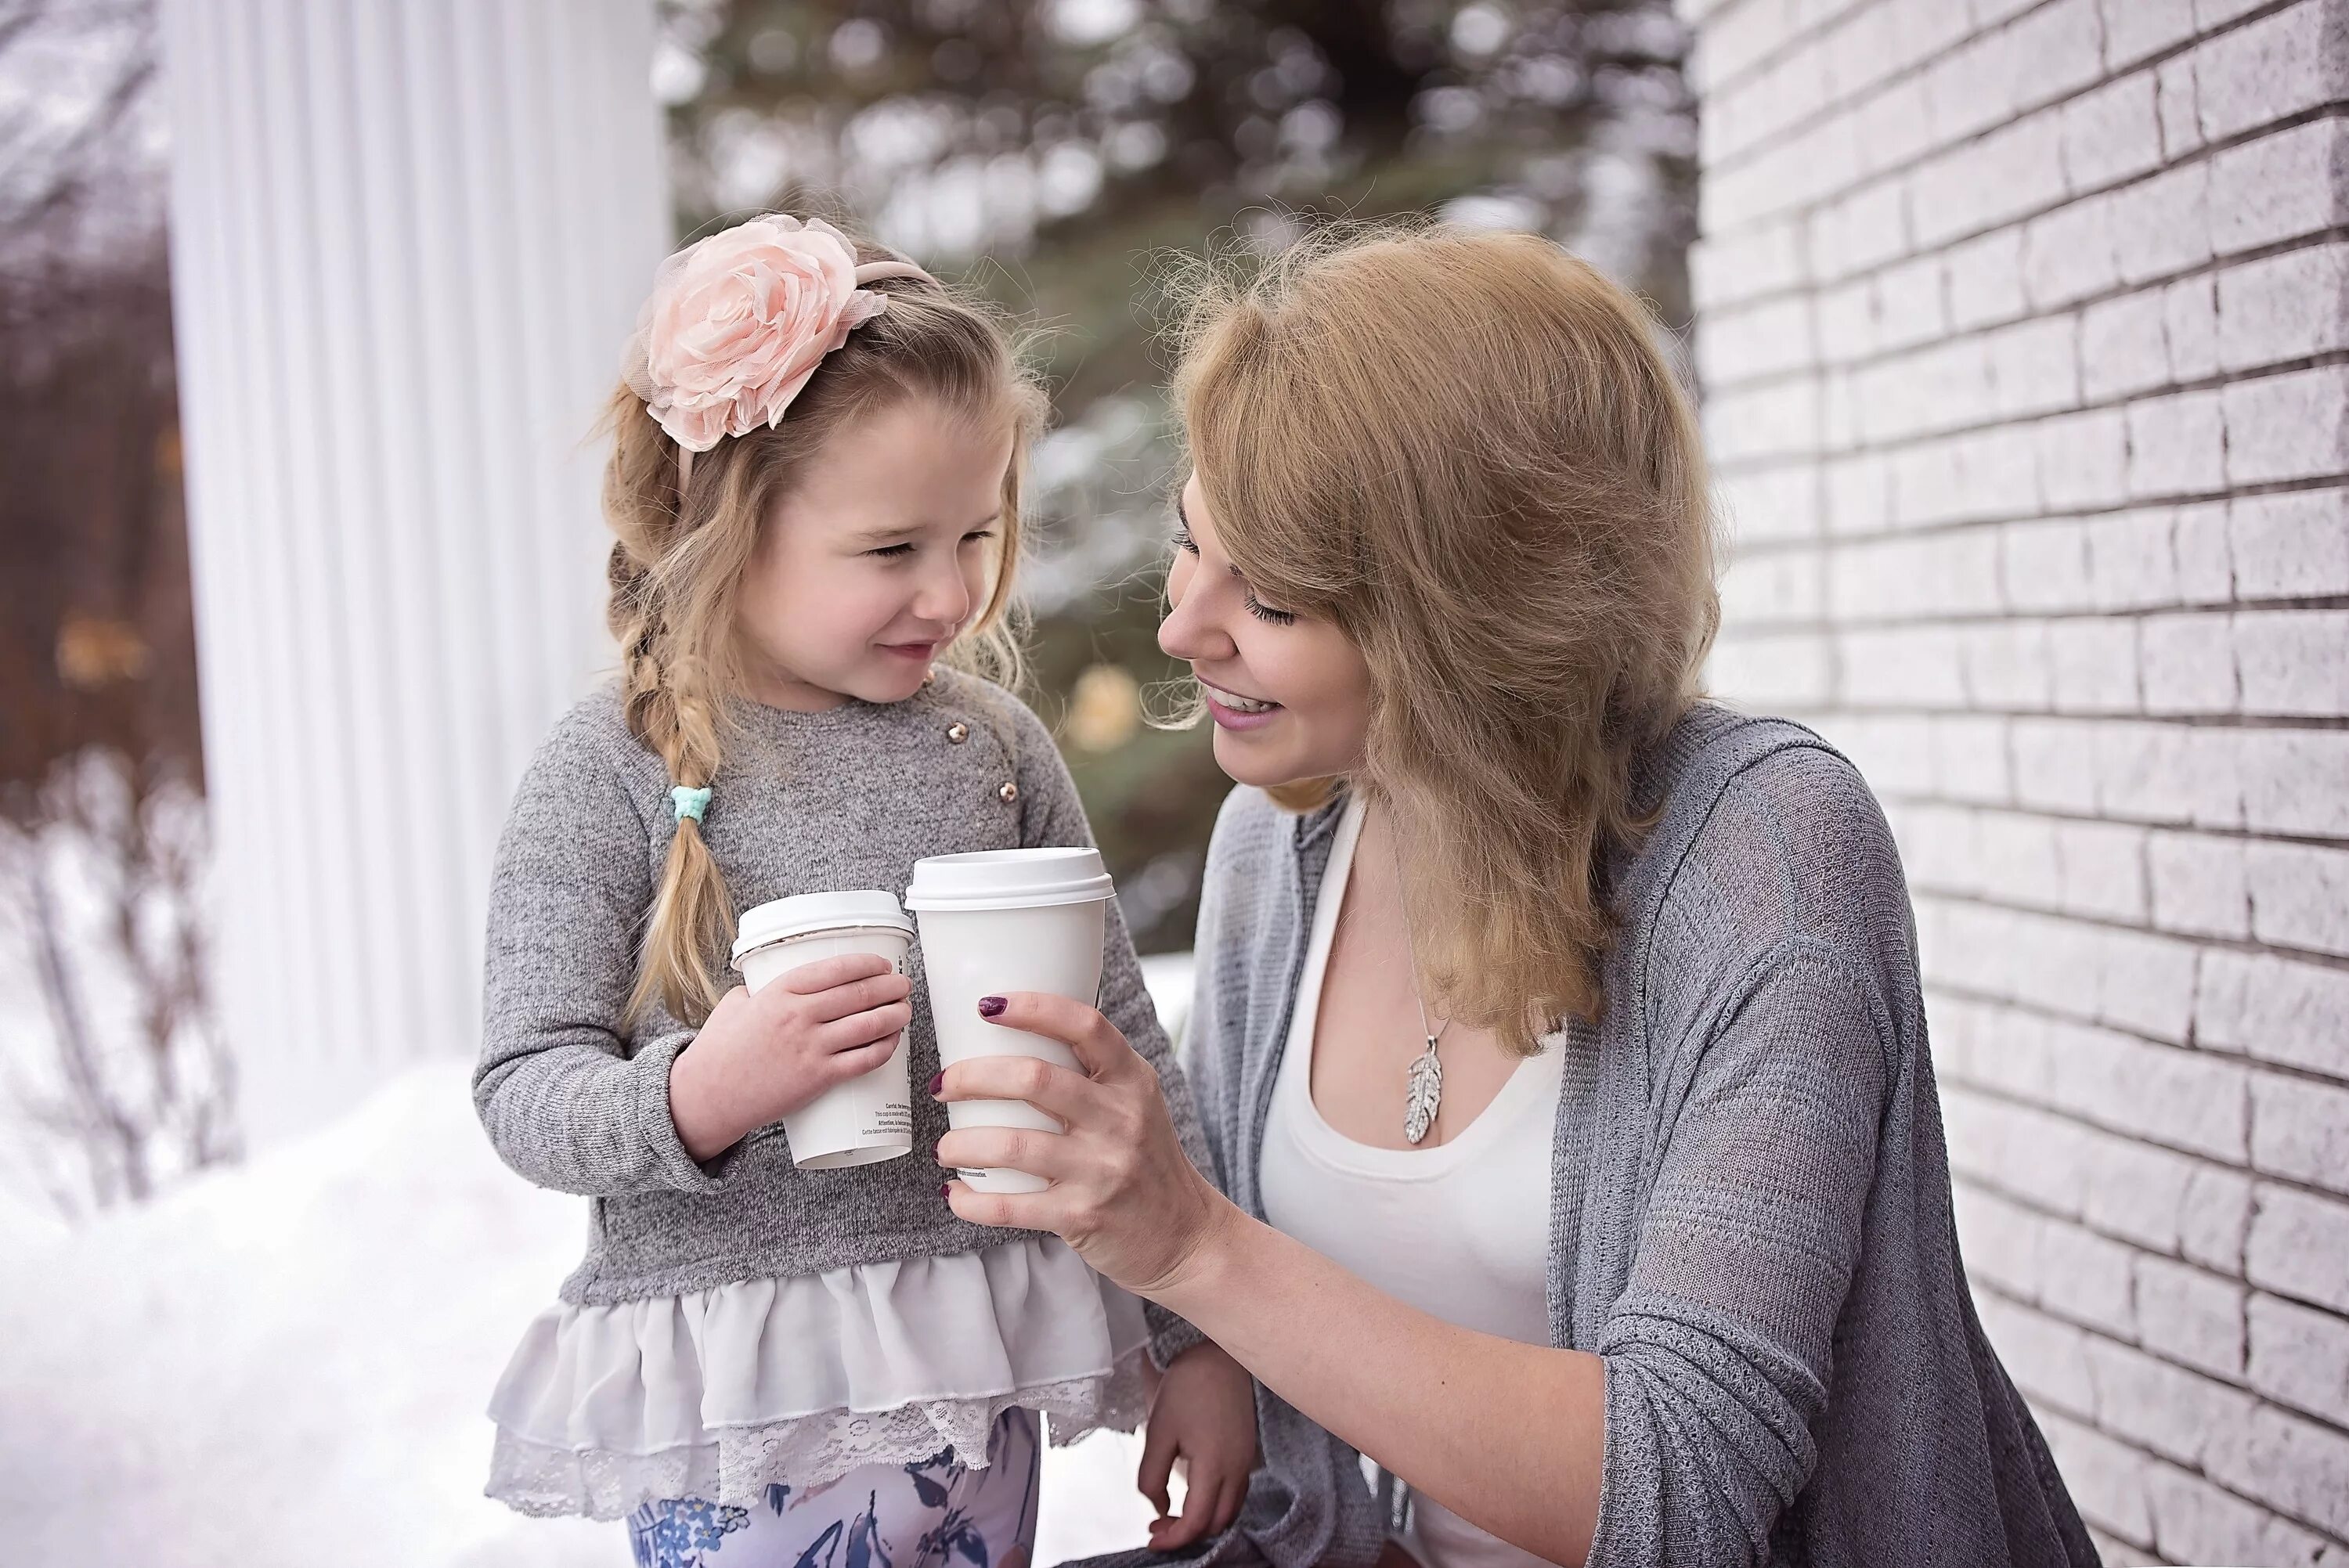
(1469, 452)
(678, 557)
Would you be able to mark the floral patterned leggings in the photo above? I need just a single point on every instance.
(922, 1515)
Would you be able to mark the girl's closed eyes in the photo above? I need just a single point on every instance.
(905, 548)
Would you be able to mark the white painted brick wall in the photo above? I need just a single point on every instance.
(2022, 328)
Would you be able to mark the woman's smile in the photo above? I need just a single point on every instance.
(1233, 711)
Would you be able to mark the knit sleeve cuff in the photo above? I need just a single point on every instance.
(1169, 1336)
(670, 1161)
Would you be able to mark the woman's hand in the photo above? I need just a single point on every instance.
(1123, 1194)
(763, 1055)
(1202, 1414)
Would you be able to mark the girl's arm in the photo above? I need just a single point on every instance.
(1684, 1433)
(563, 1100)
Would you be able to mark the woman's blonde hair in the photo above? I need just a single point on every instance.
(1470, 453)
(677, 559)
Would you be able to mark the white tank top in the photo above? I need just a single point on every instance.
(1460, 1230)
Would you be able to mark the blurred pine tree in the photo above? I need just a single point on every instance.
(1048, 148)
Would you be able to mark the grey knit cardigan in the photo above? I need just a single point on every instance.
(802, 802)
(1749, 1204)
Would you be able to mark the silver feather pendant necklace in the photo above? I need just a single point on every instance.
(1424, 1086)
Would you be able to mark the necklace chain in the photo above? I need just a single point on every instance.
(1410, 945)
(1423, 1085)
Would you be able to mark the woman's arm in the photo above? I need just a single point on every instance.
(1686, 1433)
(1509, 1436)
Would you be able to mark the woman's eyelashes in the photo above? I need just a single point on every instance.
(1261, 611)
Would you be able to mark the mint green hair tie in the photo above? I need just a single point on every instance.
(690, 802)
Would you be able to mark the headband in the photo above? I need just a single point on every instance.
(738, 322)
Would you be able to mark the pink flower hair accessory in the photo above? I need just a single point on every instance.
(737, 322)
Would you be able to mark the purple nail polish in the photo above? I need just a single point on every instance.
(991, 1006)
(945, 1188)
(937, 1081)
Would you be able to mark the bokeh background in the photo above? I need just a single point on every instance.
(2022, 333)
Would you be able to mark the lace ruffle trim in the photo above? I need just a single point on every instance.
(738, 1465)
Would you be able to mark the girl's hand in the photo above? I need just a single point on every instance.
(1203, 1415)
(1123, 1194)
(762, 1056)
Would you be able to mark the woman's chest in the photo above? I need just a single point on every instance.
(1370, 1034)
(1468, 1243)
(1460, 1228)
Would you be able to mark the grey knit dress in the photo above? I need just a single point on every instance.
(677, 1388)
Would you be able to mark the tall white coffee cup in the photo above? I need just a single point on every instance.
(870, 1118)
(1001, 921)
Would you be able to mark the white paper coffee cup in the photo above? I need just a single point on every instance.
(870, 1118)
(1001, 921)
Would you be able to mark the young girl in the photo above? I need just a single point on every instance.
(815, 487)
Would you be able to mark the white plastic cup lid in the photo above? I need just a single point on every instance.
(1009, 878)
(813, 912)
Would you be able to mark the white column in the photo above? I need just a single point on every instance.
(406, 241)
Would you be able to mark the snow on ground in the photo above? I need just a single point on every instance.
(287, 1362)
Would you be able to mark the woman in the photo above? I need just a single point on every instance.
(1558, 1034)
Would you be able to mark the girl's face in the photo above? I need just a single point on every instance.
(876, 559)
(1290, 695)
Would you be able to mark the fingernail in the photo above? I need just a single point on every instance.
(991, 1006)
(937, 1081)
(945, 1188)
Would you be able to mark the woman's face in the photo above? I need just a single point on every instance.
(1289, 694)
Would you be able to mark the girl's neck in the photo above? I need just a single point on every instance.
(773, 688)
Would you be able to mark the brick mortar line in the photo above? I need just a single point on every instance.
(2229, 1053)
(1776, 543)
(1787, 543)
(2005, 1096)
(1816, 715)
(2138, 1445)
(2216, 381)
(2077, 514)
(2248, 256)
(1888, 359)
(2333, 109)
(2249, 376)
(2309, 603)
(2251, 946)
(1728, 473)
(1834, 541)
(1784, 134)
(2258, 721)
(2244, 835)
(1739, 468)
(2312, 1077)
(2038, 1207)
(2199, 938)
